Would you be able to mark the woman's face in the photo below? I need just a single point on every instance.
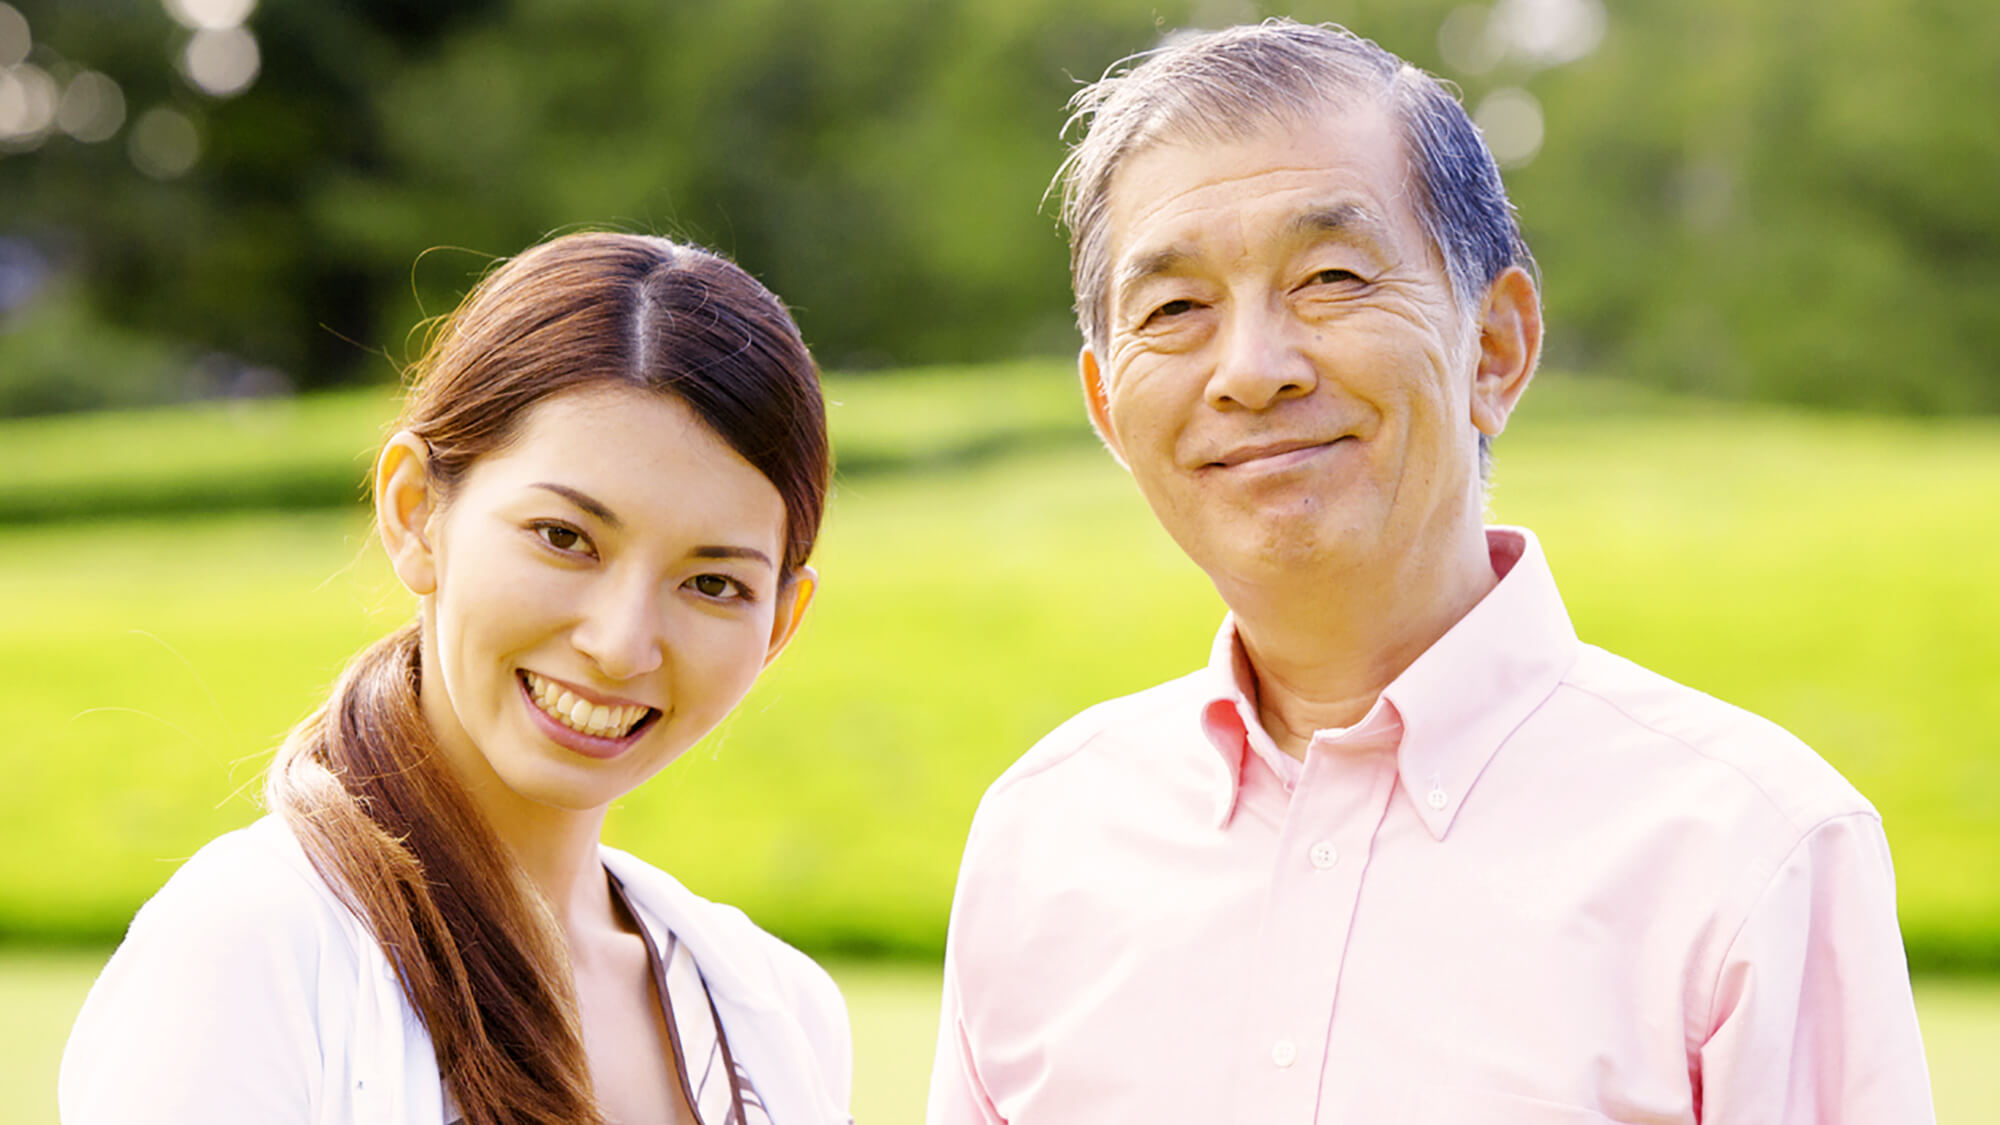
(596, 596)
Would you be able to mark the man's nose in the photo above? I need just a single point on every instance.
(1260, 360)
(623, 628)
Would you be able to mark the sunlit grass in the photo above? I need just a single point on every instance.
(1828, 572)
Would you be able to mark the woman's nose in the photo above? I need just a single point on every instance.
(623, 630)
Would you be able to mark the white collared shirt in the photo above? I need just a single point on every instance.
(246, 992)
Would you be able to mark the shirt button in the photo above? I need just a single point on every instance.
(1284, 1053)
(1437, 799)
(1324, 855)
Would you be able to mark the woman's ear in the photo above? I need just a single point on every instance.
(792, 603)
(403, 508)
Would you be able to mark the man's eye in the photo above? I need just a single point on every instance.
(1335, 277)
(715, 586)
(1172, 308)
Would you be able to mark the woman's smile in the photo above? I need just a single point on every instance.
(581, 713)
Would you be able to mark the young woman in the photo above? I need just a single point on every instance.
(606, 480)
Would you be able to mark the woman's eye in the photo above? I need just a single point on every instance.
(716, 586)
(562, 537)
(1335, 277)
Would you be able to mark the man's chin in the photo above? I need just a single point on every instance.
(1302, 552)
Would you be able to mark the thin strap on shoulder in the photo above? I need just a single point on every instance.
(714, 1051)
(737, 1097)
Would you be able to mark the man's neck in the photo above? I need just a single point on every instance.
(1323, 650)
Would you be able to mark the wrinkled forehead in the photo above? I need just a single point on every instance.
(1353, 149)
(1212, 115)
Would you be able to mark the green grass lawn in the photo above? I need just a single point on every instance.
(987, 573)
(894, 1012)
(316, 452)
(990, 575)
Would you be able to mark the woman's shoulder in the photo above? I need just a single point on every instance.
(218, 990)
(255, 880)
(246, 914)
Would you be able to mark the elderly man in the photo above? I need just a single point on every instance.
(1406, 852)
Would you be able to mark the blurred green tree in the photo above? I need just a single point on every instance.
(1785, 200)
(1789, 200)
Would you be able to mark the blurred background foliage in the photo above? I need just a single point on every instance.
(1785, 201)
(1788, 200)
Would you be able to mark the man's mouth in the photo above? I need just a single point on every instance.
(581, 715)
(1266, 451)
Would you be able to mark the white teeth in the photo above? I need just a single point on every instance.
(582, 715)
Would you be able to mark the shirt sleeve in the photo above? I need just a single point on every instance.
(822, 1011)
(957, 1097)
(206, 1012)
(1813, 1021)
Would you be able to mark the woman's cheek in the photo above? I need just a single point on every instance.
(726, 661)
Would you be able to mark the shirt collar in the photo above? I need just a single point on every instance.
(1447, 713)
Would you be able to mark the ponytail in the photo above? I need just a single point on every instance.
(384, 821)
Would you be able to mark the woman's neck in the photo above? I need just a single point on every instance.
(558, 850)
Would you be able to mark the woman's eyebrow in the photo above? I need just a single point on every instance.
(583, 500)
(596, 508)
(732, 553)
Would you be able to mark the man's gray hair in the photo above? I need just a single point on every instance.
(1224, 85)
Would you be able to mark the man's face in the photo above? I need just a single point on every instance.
(1286, 373)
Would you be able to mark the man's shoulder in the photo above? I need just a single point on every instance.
(1757, 760)
(1102, 730)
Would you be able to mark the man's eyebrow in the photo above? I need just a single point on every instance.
(1149, 265)
(1349, 221)
(583, 500)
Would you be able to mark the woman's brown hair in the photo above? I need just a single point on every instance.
(360, 781)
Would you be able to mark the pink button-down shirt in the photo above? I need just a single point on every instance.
(1536, 884)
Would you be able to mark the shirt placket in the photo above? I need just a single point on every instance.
(1317, 874)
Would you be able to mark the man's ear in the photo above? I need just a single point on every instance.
(1097, 402)
(1510, 343)
(404, 505)
(792, 603)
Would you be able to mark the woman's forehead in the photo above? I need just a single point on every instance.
(644, 456)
